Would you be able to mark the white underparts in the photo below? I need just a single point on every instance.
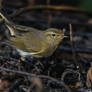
(22, 53)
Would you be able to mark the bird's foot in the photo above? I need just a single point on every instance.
(27, 58)
(22, 58)
(20, 61)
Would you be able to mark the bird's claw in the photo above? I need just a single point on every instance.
(22, 58)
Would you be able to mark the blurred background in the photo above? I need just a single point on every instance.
(43, 14)
(49, 17)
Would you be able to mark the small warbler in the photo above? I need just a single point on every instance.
(31, 41)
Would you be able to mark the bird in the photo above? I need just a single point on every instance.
(32, 41)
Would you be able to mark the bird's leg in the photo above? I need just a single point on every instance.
(22, 58)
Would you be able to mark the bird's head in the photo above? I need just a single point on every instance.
(54, 36)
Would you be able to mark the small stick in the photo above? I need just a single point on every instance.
(49, 7)
(34, 75)
(74, 53)
(72, 45)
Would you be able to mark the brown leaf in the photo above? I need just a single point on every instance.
(89, 77)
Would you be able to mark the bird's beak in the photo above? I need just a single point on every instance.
(62, 36)
(65, 36)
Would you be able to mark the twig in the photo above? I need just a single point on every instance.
(50, 7)
(67, 72)
(78, 66)
(73, 47)
(9, 58)
(1, 3)
(34, 75)
(77, 50)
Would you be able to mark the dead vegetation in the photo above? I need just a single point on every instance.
(69, 69)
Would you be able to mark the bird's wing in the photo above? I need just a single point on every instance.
(34, 43)
(18, 43)
(36, 50)
(29, 42)
(29, 47)
(33, 46)
(25, 44)
(21, 28)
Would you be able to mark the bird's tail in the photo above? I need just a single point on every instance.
(5, 16)
(8, 21)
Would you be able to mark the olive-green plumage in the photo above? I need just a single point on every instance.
(36, 42)
(33, 41)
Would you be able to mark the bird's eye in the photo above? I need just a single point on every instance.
(53, 35)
